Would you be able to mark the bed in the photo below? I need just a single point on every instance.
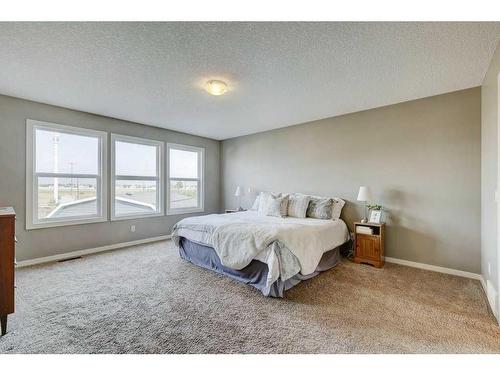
(272, 254)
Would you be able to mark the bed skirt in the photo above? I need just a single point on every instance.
(255, 274)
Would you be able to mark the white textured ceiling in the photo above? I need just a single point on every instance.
(279, 73)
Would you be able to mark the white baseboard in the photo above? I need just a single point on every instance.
(491, 296)
(430, 267)
(483, 283)
(78, 253)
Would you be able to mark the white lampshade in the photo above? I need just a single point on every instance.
(238, 191)
(364, 194)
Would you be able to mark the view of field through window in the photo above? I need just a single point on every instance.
(76, 158)
(68, 154)
(69, 190)
(135, 196)
(183, 194)
(140, 194)
(184, 187)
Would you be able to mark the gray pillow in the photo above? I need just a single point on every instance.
(277, 206)
(320, 208)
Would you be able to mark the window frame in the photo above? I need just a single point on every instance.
(32, 220)
(201, 179)
(160, 157)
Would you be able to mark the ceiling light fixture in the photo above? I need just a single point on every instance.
(215, 87)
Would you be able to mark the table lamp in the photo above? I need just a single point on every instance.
(364, 195)
(238, 193)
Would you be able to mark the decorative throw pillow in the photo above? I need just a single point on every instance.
(297, 205)
(263, 201)
(338, 204)
(277, 206)
(320, 208)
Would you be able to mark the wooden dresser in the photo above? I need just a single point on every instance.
(7, 250)
(369, 248)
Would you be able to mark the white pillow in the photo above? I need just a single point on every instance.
(338, 204)
(277, 206)
(264, 201)
(297, 205)
(255, 205)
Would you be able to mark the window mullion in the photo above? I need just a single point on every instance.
(66, 175)
(184, 179)
(136, 178)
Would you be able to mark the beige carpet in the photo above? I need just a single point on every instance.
(146, 300)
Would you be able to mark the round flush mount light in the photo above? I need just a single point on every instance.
(216, 87)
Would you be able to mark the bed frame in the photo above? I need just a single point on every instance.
(255, 274)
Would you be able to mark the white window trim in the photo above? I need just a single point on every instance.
(160, 157)
(201, 178)
(32, 221)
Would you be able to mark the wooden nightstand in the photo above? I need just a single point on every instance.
(369, 248)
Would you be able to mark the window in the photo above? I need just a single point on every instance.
(65, 175)
(185, 179)
(137, 185)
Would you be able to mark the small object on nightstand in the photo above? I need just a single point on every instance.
(369, 243)
(232, 211)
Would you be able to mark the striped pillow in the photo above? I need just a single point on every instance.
(297, 205)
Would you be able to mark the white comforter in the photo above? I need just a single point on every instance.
(240, 237)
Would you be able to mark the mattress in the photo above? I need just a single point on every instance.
(256, 272)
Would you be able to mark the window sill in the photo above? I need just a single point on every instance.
(42, 225)
(184, 211)
(132, 217)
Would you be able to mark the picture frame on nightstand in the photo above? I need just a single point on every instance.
(375, 216)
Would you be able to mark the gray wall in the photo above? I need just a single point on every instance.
(489, 180)
(44, 242)
(421, 159)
